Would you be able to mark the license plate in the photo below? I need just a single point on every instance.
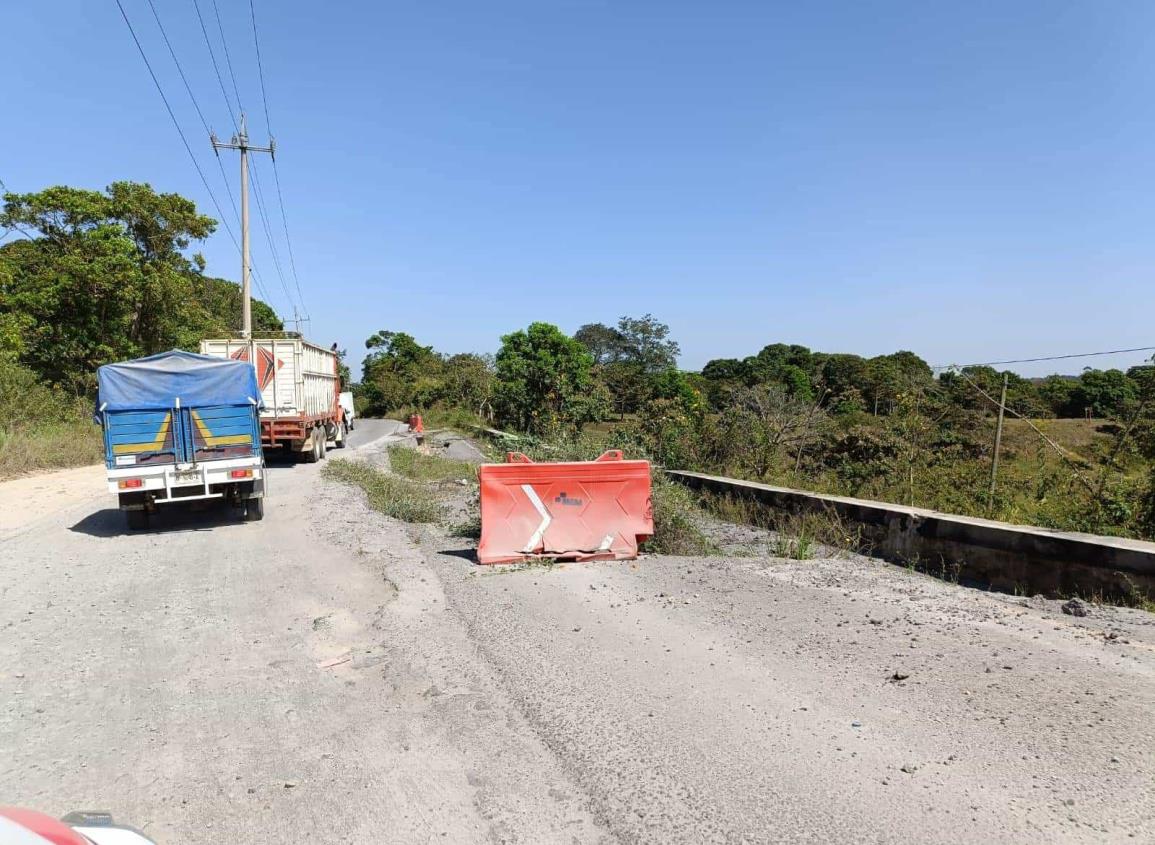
(187, 477)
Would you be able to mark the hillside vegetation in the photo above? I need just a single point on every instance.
(89, 278)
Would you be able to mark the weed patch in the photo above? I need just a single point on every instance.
(676, 522)
(392, 495)
(419, 466)
(52, 445)
(800, 536)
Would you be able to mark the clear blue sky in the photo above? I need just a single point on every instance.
(971, 181)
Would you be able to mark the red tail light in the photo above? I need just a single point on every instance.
(130, 483)
(241, 473)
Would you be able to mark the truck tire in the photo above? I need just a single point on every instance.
(342, 436)
(322, 445)
(137, 520)
(314, 454)
(254, 509)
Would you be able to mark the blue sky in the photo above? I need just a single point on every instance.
(971, 181)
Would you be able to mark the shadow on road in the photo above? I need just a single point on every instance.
(466, 554)
(202, 516)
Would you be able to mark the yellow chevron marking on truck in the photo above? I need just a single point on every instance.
(219, 440)
(152, 446)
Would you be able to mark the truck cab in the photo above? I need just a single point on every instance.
(180, 427)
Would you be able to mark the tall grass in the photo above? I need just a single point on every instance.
(41, 427)
(49, 446)
(677, 521)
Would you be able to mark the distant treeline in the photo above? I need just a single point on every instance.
(885, 427)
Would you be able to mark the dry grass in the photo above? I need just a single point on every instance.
(52, 445)
(800, 536)
(677, 521)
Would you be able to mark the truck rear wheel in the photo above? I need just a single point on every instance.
(321, 445)
(137, 520)
(314, 454)
(254, 509)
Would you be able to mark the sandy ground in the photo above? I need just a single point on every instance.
(329, 675)
(23, 501)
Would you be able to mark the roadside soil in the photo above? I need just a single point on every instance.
(331, 675)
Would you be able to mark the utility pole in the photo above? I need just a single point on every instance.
(298, 319)
(998, 444)
(240, 142)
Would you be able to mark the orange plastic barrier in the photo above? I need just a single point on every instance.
(584, 510)
(415, 424)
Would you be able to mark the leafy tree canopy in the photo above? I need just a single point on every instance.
(544, 380)
(104, 276)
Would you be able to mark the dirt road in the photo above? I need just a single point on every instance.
(328, 675)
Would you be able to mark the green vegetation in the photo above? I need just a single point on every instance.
(97, 277)
(392, 495)
(399, 376)
(1077, 451)
(677, 522)
(422, 467)
(42, 427)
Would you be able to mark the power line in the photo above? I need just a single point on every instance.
(1046, 358)
(176, 124)
(1061, 451)
(228, 59)
(260, 197)
(232, 118)
(216, 67)
(208, 131)
(276, 172)
(259, 194)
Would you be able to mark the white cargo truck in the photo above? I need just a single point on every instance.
(299, 385)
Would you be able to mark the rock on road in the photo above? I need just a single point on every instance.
(329, 675)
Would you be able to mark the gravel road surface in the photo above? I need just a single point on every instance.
(329, 675)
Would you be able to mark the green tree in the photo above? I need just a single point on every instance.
(469, 383)
(399, 374)
(103, 276)
(606, 344)
(1105, 393)
(646, 342)
(544, 380)
(1055, 392)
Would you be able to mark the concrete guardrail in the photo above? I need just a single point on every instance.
(996, 554)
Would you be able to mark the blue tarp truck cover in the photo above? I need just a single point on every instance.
(175, 379)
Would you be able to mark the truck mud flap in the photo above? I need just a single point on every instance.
(581, 510)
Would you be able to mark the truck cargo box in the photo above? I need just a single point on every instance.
(299, 388)
(297, 378)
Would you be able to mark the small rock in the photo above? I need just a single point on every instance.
(875, 621)
(1114, 759)
(576, 629)
(290, 784)
(1075, 607)
(899, 676)
(856, 724)
(909, 768)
